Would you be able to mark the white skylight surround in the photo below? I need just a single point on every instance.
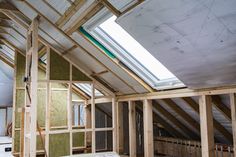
(134, 55)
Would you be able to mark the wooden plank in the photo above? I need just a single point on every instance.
(132, 129)
(148, 128)
(93, 119)
(178, 93)
(110, 7)
(206, 121)
(114, 125)
(76, 5)
(86, 15)
(233, 115)
(120, 127)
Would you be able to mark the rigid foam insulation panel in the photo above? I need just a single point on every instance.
(78, 139)
(41, 107)
(20, 102)
(59, 144)
(58, 108)
(77, 75)
(59, 67)
(20, 70)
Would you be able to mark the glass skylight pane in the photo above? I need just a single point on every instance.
(135, 49)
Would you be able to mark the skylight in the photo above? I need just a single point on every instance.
(134, 55)
(135, 49)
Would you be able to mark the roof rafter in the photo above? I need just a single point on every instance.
(221, 106)
(182, 114)
(75, 6)
(187, 132)
(25, 25)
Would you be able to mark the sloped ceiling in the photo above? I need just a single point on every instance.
(194, 39)
(6, 84)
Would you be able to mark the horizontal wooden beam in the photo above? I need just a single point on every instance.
(178, 93)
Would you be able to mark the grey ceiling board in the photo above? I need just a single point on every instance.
(195, 40)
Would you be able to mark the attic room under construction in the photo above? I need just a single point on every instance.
(130, 78)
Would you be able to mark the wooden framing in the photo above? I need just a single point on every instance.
(206, 121)
(186, 131)
(233, 116)
(182, 113)
(148, 128)
(93, 120)
(217, 125)
(205, 99)
(30, 117)
(132, 129)
(120, 128)
(178, 93)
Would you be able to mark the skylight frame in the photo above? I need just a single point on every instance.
(130, 61)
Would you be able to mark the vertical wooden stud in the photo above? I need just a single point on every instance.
(148, 128)
(93, 119)
(132, 129)
(47, 107)
(114, 124)
(206, 122)
(120, 131)
(233, 117)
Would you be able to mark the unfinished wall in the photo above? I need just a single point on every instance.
(61, 140)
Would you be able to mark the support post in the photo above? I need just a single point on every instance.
(233, 117)
(93, 119)
(132, 129)
(120, 131)
(148, 128)
(31, 90)
(206, 121)
(114, 125)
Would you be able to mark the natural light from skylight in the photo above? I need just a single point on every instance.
(135, 49)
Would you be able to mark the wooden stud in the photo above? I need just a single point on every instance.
(114, 124)
(148, 128)
(93, 119)
(233, 116)
(120, 128)
(206, 121)
(48, 99)
(132, 129)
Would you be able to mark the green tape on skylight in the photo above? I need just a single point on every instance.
(97, 43)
